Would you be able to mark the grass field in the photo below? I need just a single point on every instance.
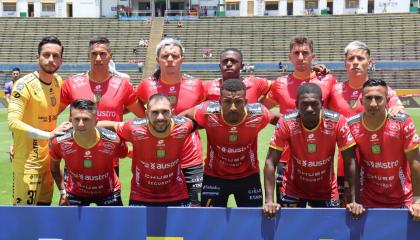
(125, 164)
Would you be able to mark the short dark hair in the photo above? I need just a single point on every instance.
(16, 69)
(100, 40)
(83, 104)
(232, 50)
(309, 88)
(50, 39)
(157, 96)
(233, 85)
(301, 40)
(373, 82)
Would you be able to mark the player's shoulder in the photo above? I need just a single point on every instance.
(181, 119)
(68, 135)
(331, 115)
(255, 108)
(138, 122)
(355, 119)
(30, 81)
(108, 135)
(399, 117)
(291, 116)
(212, 107)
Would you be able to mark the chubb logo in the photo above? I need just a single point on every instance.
(311, 136)
(98, 87)
(87, 154)
(374, 136)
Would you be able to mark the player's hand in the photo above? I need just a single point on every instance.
(355, 209)
(270, 209)
(395, 110)
(60, 130)
(11, 152)
(321, 69)
(63, 200)
(414, 210)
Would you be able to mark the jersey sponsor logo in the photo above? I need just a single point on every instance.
(376, 149)
(87, 163)
(394, 126)
(160, 143)
(311, 147)
(106, 113)
(409, 127)
(66, 146)
(160, 153)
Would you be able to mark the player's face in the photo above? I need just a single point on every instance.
(233, 106)
(83, 120)
(357, 63)
(15, 75)
(99, 56)
(50, 58)
(374, 100)
(170, 59)
(309, 106)
(159, 114)
(230, 64)
(301, 57)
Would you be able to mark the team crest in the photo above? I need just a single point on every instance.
(233, 137)
(87, 163)
(160, 153)
(97, 97)
(53, 101)
(376, 149)
(353, 103)
(311, 147)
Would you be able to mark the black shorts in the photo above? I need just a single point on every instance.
(247, 191)
(194, 179)
(288, 201)
(180, 203)
(114, 199)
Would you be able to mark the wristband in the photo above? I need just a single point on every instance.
(63, 192)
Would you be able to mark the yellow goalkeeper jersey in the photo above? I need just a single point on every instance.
(32, 104)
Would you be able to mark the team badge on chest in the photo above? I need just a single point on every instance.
(376, 149)
(160, 153)
(311, 147)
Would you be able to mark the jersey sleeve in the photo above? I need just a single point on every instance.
(130, 95)
(200, 91)
(66, 92)
(410, 135)
(345, 139)
(54, 151)
(393, 99)
(264, 86)
(124, 131)
(18, 102)
(206, 88)
(122, 150)
(265, 117)
(200, 114)
(280, 136)
(271, 95)
(141, 91)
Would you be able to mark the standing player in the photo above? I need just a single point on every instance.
(312, 133)
(32, 117)
(389, 153)
(109, 91)
(230, 67)
(157, 150)
(9, 85)
(88, 153)
(283, 90)
(345, 96)
(184, 93)
(231, 165)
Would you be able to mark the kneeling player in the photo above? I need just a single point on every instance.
(88, 152)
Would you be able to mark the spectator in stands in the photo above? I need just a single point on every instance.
(231, 165)
(389, 153)
(179, 24)
(141, 42)
(110, 90)
(128, 11)
(207, 53)
(140, 66)
(87, 151)
(184, 93)
(158, 143)
(32, 116)
(283, 90)
(311, 133)
(345, 96)
(8, 86)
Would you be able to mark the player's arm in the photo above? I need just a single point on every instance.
(111, 125)
(268, 102)
(352, 183)
(394, 105)
(274, 116)
(191, 114)
(137, 108)
(59, 181)
(414, 160)
(7, 98)
(321, 69)
(270, 207)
